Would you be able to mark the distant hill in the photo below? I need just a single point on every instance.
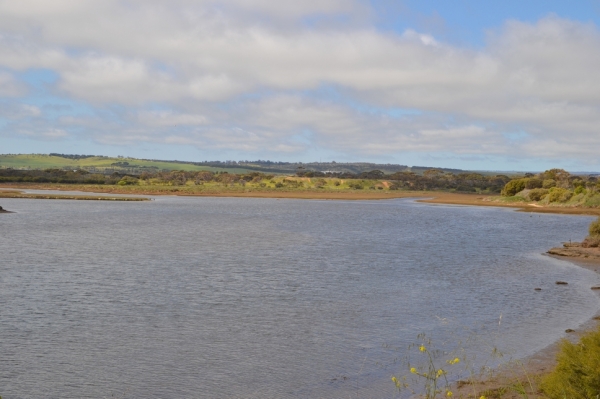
(104, 164)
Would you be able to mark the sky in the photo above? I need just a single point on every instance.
(494, 85)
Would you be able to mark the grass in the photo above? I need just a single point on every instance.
(42, 161)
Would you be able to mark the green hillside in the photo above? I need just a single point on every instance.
(43, 161)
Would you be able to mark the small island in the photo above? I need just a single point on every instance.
(2, 210)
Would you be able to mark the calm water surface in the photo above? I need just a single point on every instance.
(264, 298)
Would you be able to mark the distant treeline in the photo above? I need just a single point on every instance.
(71, 156)
(432, 179)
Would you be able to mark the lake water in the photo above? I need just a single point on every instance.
(265, 298)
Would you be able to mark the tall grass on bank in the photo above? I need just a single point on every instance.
(577, 373)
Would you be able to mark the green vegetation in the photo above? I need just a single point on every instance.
(554, 187)
(595, 229)
(577, 374)
(193, 178)
(98, 164)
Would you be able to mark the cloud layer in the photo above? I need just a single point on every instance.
(289, 76)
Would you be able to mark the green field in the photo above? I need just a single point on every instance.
(43, 161)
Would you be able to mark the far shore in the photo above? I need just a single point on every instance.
(432, 197)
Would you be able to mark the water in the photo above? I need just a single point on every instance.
(265, 298)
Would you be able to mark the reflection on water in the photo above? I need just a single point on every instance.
(262, 298)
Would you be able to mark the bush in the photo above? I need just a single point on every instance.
(549, 183)
(557, 194)
(593, 201)
(595, 228)
(534, 183)
(537, 194)
(580, 190)
(577, 374)
(513, 187)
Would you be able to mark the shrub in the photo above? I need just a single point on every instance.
(549, 183)
(513, 187)
(557, 194)
(595, 228)
(127, 181)
(577, 374)
(593, 201)
(537, 194)
(580, 190)
(278, 185)
(534, 183)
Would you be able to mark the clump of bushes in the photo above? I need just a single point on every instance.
(534, 183)
(593, 240)
(595, 228)
(513, 187)
(557, 194)
(537, 194)
(577, 374)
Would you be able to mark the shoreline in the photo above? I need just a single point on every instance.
(431, 197)
(528, 370)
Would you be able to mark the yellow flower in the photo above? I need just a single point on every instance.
(482, 397)
(422, 348)
(440, 372)
(396, 380)
(456, 360)
(413, 370)
(448, 393)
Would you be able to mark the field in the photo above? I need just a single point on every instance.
(43, 161)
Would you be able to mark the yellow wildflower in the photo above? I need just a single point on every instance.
(440, 372)
(396, 380)
(413, 370)
(482, 397)
(448, 393)
(422, 348)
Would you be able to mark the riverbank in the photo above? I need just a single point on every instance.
(432, 197)
(508, 381)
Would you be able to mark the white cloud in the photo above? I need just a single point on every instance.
(231, 75)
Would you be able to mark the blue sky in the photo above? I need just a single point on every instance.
(466, 84)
